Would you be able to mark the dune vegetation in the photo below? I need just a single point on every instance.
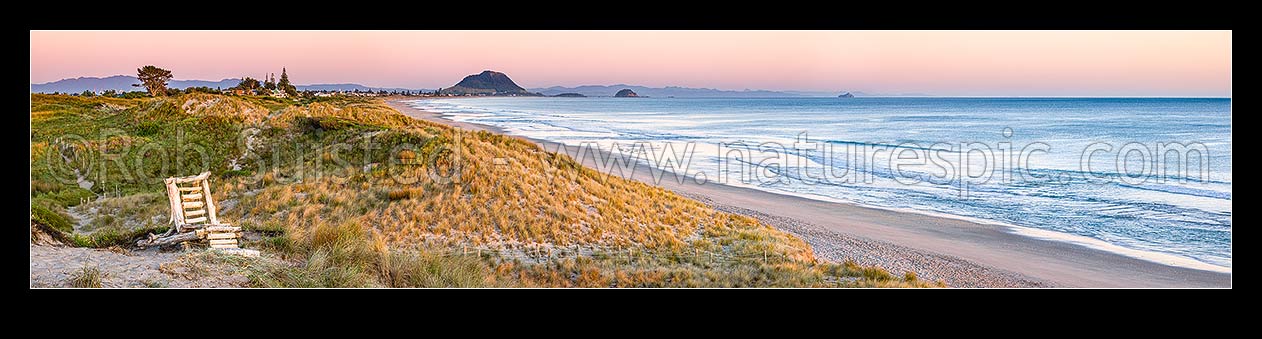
(351, 193)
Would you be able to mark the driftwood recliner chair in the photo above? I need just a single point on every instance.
(193, 216)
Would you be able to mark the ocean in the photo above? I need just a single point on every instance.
(1144, 177)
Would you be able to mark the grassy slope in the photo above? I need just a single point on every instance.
(426, 206)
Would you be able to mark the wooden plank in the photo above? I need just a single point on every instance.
(195, 220)
(223, 229)
(225, 246)
(190, 189)
(177, 215)
(189, 179)
(241, 252)
(224, 242)
(214, 236)
(192, 197)
(210, 202)
(190, 227)
(194, 213)
(192, 204)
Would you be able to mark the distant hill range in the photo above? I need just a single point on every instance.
(488, 83)
(123, 83)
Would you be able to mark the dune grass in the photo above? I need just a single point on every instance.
(356, 194)
(86, 277)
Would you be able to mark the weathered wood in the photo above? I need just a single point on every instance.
(190, 227)
(224, 246)
(239, 251)
(193, 204)
(195, 220)
(190, 189)
(188, 179)
(210, 201)
(177, 214)
(224, 242)
(167, 240)
(214, 236)
(220, 228)
(191, 197)
(194, 213)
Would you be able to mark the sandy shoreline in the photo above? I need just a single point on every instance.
(962, 253)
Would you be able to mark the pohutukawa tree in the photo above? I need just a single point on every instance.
(154, 79)
(248, 84)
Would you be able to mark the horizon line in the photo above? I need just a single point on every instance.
(919, 95)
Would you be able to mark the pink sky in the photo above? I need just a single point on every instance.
(1054, 63)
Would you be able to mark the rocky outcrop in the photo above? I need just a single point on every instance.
(846, 95)
(626, 93)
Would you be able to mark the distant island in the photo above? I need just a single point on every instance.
(570, 95)
(487, 83)
(846, 95)
(625, 93)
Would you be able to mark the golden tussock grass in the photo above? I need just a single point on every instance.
(408, 212)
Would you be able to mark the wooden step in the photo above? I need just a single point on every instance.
(192, 197)
(191, 189)
(223, 229)
(193, 204)
(194, 213)
(233, 245)
(224, 242)
(241, 252)
(228, 235)
(195, 220)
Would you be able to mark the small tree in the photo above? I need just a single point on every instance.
(284, 84)
(88, 93)
(248, 84)
(269, 84)
(154, 79)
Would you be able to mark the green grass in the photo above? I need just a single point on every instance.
(45, 214)
(114, 237)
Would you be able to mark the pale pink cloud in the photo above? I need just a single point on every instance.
(938, 62)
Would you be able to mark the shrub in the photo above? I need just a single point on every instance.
(109, 237)
(46, 216)
(70, 196)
